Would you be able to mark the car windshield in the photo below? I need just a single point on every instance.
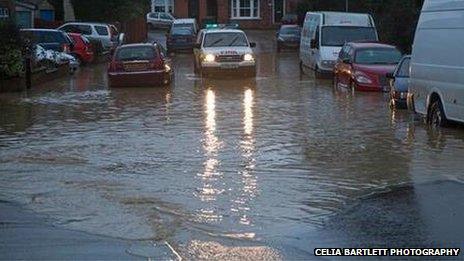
(225, 39)
(290, 31)
(339, 35)
(181, 31)
(135, 53)
(378, 56)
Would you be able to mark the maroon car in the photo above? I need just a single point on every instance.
(139, 65)
(364, 66)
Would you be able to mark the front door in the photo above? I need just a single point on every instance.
(194, 7)
(278, 10)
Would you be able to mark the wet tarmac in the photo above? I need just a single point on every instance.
(230, 168)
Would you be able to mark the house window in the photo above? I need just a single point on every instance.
(245, 9)
(163, 6)
(4, 13)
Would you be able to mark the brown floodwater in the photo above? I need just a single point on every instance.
(260, 164)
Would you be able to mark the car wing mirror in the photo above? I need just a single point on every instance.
(252, 44)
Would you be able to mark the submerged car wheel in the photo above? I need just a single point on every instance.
(436, 116)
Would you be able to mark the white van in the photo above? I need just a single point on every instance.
(324, 34)
(437, 63)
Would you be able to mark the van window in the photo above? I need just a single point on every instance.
(339, 35)
(101, 30)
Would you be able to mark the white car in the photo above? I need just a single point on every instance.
(160, 20)
(186, 23)
(107, 34)
(224, 50)
(436, 88)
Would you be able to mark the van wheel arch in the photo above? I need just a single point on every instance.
(436, 115)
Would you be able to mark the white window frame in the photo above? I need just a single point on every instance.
(4, 12)
(167, 4)
(237, 9)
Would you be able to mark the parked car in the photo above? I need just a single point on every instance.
(224, 50)
(186, 23)
(399, 83)
(49, 39)
(324, 34)
(107, 34)
(160, 20)
(437, 62)
(180, 38)
(364, 66)
(51, 59)
(139, 65)
(83, 50)
(289, 19)
(288, 36)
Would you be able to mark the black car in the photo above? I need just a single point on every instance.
(288, 36)
(55, 40)
(180, 38)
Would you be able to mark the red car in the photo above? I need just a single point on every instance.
(364, 66)
(139, 65)
(83, 49)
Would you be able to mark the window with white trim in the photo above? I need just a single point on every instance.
(162, 6)
(4, 12)
(245, 9)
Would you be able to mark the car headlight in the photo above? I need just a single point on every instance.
(362, 78)
(209, 58)
(328, 63)
(248, 57)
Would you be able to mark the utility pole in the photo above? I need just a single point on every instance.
(346, 6)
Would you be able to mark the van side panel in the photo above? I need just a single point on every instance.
(312, 21)
(437, 64)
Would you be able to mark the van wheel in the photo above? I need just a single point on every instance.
(436, 115)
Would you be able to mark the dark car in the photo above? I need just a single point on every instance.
(399, 83)
(139, 65)
(363, 66)
(288, 36)
(180, 38)
(49, 39)
(289, 19)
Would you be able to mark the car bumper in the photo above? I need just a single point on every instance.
(371, 88)
(289, 44)
(180, 46)
(146, 78)
(242, 70)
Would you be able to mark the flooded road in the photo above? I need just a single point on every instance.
(270, 167)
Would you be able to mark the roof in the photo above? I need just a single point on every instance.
(86, 23)
(137, 45)
(358, 45)
(40, 30)
(223, 31)
(184, 21)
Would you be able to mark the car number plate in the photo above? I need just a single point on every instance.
(135, 67)
(229, 66)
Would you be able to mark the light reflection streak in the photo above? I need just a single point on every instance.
(249, 180)
(210, 175)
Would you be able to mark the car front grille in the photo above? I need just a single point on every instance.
(229, 58)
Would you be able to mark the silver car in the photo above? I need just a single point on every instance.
(159, 20)
(107, 34)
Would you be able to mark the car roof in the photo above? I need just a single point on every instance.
(184, 21)
(41, 30)
(289, 26)
(359, 45)
(215, 30)
(86, 23)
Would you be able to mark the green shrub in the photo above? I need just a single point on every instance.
(11, 58)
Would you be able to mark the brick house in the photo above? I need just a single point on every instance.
(247, 13)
